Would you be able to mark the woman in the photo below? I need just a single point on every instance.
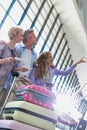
(44, 70)
(7, 58)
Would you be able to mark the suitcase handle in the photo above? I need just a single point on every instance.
(15, 74)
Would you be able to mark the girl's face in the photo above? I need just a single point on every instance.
(49, 60)
(19, 37)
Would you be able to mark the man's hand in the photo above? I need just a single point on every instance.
(23, 69)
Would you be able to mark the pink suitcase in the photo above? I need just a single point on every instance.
(15, 125)
(37, 95)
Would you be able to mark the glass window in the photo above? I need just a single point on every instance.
(36, 15)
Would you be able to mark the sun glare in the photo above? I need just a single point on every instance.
(66, 104)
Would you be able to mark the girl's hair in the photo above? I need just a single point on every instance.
(13, 32)
(39, 65)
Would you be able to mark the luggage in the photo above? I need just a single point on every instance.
(31, 114)
(15, 125)
(15, 75)
(37, 95)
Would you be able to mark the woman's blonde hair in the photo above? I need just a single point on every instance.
(39, 65)
(13, 32)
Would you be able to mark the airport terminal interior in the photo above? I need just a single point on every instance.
(61, 28)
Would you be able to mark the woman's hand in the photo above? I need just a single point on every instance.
(11, 59)
(8, 59)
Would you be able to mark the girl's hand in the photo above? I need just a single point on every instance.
(81, 61)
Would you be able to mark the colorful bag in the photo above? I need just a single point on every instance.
(31, 114)
(37, 95)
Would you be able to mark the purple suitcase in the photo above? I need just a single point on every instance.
(15, 125)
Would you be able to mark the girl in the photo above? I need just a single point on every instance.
(44, 70)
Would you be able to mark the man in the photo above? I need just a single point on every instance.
(26, 52)
(26, 57)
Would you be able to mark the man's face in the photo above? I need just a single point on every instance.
(32, 40)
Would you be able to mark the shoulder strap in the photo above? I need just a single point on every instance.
(1, 43)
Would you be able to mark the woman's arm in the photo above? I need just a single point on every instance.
(5, 60)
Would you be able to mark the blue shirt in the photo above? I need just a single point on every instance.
(20, 48)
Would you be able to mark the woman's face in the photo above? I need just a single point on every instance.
(19, 37)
